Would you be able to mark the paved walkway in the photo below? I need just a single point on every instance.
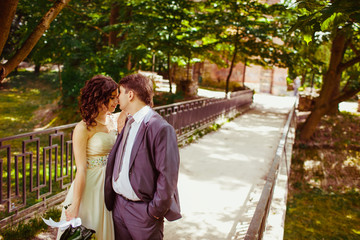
(222, 175)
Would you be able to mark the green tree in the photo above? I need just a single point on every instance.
(336, 22)
(166, 29)
(242, 31)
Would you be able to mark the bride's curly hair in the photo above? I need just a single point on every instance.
(97, 91)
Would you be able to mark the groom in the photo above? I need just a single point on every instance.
(143, 166)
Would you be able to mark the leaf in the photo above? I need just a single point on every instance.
(307, 38)
(330, 21)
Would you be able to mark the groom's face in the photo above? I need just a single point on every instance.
(124, 98)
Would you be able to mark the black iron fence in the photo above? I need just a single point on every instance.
(284, 151)
(36, 167)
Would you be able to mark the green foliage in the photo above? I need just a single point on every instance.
(167, 31)
(200, 133)
(164, 98)
(183, 32)
(108, 60)
(178, 32)
(73, 80)
(242, 28)
(220, 85)
(312, 33)
(323, 16)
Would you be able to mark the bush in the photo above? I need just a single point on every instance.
(29, 229)
(221, 85)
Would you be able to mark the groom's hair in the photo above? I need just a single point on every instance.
(141, 85)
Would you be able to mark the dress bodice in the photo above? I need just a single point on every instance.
(99, 147)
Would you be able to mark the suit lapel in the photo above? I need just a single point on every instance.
(112, 154)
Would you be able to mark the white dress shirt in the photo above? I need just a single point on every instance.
(122, 185)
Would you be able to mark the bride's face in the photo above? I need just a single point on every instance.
(114, 101)
(111, 105)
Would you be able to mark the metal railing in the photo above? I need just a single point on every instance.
(187, 117)
(36, 167)
(283, 153)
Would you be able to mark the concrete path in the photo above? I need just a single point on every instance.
(222, 175)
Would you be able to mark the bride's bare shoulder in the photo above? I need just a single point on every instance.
(81, 127)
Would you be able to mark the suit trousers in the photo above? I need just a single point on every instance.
(132, 221)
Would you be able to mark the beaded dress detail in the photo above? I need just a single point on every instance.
(98, 148)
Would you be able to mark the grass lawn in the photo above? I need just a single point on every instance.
(27, 102)
(324, 198)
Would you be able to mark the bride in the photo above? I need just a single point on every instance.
(93, 139)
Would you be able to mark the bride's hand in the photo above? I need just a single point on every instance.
(121, 121)
(71, 212)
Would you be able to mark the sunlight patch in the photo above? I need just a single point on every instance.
(13, 119)
(35, 91)
(311, 164)
(351, 162)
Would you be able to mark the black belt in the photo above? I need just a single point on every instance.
(130, 200)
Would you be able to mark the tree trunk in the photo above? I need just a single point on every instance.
(37, 68)
(60, 81)
(231, 69)
(303, 78)
(331, 81)
(188, 69)
(169, 72)
(128, 65)
(153, 63)
(7, 13)
(34, 37)
(244, 71)
(232, 62)
(334, 108)
(272, 81)
(114, 14)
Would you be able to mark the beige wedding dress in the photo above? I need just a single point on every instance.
(93, 212)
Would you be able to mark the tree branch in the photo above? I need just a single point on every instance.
(34, 37)
(88, 25)
(346, 86)
(350, 63)
(352, 46)
(344, 96)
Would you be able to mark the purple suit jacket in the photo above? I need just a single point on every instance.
(154, 168)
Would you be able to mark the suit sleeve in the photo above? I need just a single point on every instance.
(167, 161)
